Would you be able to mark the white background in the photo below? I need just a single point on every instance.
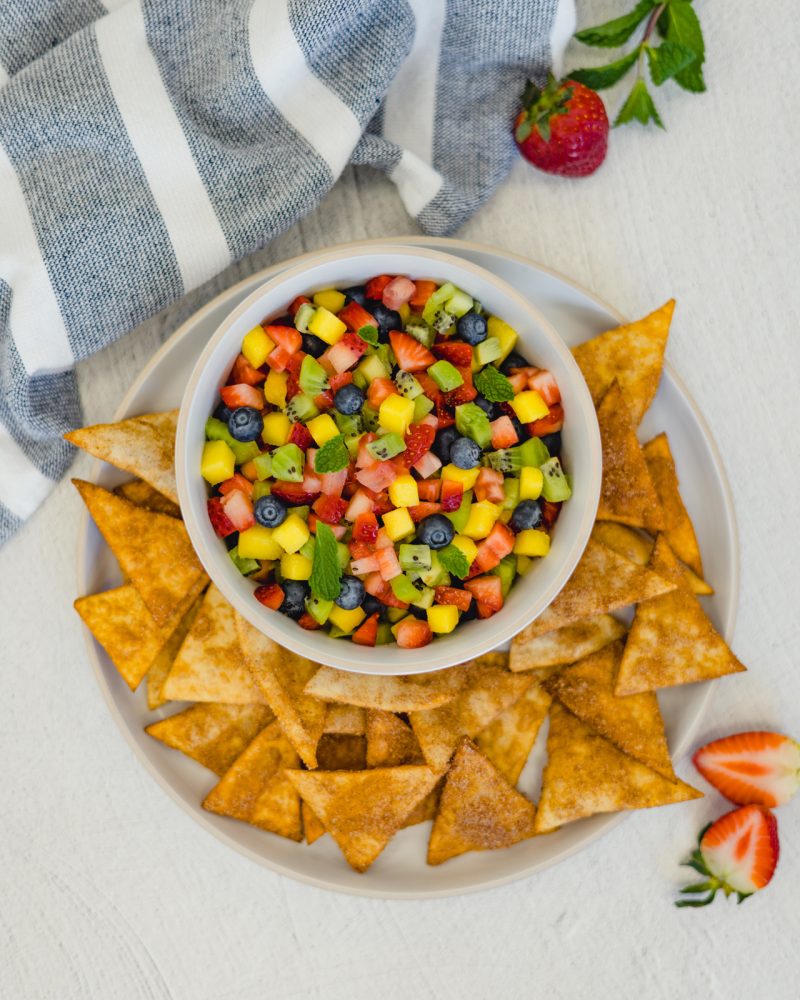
(107, 890)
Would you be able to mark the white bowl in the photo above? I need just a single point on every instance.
(581, 453)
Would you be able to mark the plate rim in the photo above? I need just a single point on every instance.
(603, 822)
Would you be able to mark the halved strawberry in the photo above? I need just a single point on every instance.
(220, 521)
(242, 394)
(296, 303)
(453, 595)
(301, 436)
(329, 509)
(365, 528)
(428, 489)
(271, 595)
(236, 482)
(419, 439)
(411, 633)
(243, 371)
(412, 356)
(367, 632)
(553, 422)
(504, 434)
(455, 351)
(451, 496)
(752, 768)
(379, 389)
(375, 286)
(738, 853)
(239, 510)
(424, 290)
(487, 590)
(278, 358)
(286, 337)
(466, 392)
(356, 316)
(489, 486)
(496, 546)
(423, 509)
(550, 511)
(339, 379)
(294, 493)
(544, 382)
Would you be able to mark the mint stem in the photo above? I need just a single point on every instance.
(649, 28)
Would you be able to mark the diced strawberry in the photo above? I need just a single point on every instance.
(375, 286)
(504, 434)
(383, 541)
(487, 590)
(364, 458)
(519, 382)
(295, 362)
(424, 290)
(484, 610)
(444, 416)
(489, 486)
(296, 303)
(388, 563)
(324, 401)
(398, 292)
(330, 509)
(453, 595)
(378, 476)
(451, 496)
(553, 422)
(367, 632)
(347, 352)
(412, 356)
(382, 503)
(400, 465)
(239, 510)
(359, 549)
(411, 633)
(365, 528)
(271, 595)
(301, 436)
(338, 530)
(379, 389)
(493, 548)
(544, 382)
(429, 387)
(286, 337)
(279, 358)
(550, 512)
(236, 482)
(333, 482)
(424, 509)
(220, 521)
(308, 622)
(337, 381)
(243, 372)
(360, 503)
(418, 439)
(429, 489)
(466, 392)
(292, 385)
(355, 316)
(375, 584)
(429, 420)
(312, 482)
(242, 394)
(294, 493)
(753, 767)
(364, 565)
(456, 352)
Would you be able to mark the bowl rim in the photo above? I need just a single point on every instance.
(346, 656)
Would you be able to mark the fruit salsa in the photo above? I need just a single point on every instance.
(383, 462)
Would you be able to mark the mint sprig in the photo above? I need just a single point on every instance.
(369, 333)
(454, 561)
(326, 573)
(333, 456)
(493, 385)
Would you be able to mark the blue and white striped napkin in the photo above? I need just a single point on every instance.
(145, 145)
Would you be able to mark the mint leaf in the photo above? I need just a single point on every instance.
(493, 385)
(639, 105)
(369, 333)
(667, 60)
(333, 456)
(600, 77)
(616, 32)
(326, 573)
(679, 23)
(454, 561)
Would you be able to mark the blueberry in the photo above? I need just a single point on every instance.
(492, 410)
(552, 442)
(282, 321)
(349, 399)
(514, 360)
(470, 613)
(465, 453)
(521, 429)
(313, 345)
(435, 531)
(443, 442)
(472, 328)
(245, 423)
(417, 612)
(371, 605)
(223, 413)
(352, 593)
(527, 514)
(295, 593)
(356, 293)
(386, 319)
(269, 511)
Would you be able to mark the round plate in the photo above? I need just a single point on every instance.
(401, 871)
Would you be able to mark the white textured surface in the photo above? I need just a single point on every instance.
(108, 891)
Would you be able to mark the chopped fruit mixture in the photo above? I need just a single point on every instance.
(383, 462)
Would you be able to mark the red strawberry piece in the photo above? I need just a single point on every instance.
(553, 422)
(398, 292)
(466, 392)
(308, 622)
(444, 416)
(412, 356)
(453, 595)
(428, 465)
(411, 633)
(375, 286)
(388, 564)
(301, 436)
(378, 476)
(424, 509)
(424, 290)
(293, 493)
(367, 632)
(487, 590)
(419, 439)
(236, 482)
(365, 528)
(360, 549)
(493, 548)
(563, 128)
(296, 303)
(220, 521)
(356, 316)
(429, 489)
(503, 433)
(332, 484)
(451, 496)
(278, 358)
(484, 610)
(286, 337)
(455, 351)
(375, 584)
(429, 387)
(270, 595)
(382, 503)
(755, 767)
(346, 353)
(519, 381)
(489, 486)
(242, 394)
(243, 371)
(544, 382)
(239, 510)
(295, 362)
(330, 509)
(550, 512)
(341, 378)
(292, 385)
(738, 854)
(361, 502)
(379, 389)
(324, 401)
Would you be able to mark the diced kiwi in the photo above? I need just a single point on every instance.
(415, 557)
(353, 443)
(403, 589)
(245, 566)
(488, 350)
(302, 317)
(385, 355)
(288, 462)
(348, 423)
(505, 460)
(442, 321)
(395, 614)
(319, 609)
(360, 379)
(386, 447)
(370, 418)
(261, 489)
(511, 492)
(372, 367)
(534, 452)
(407, 385)
(384, 636)
(313, 377)
(343, 555)
(458, 518)
(506, 569)
(437, 299)
(337, 633)
(301, 408)
(422, 407)
(459, 303)
(555, 486)
(425, 599)
(243, 451)
(420, 331)
(472, 421)
(437, 575)
(302, 511)
(307, 548)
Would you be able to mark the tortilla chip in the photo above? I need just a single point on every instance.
(633, 354)
(390, 741)
(564, 645)
(586, 774)
(408, 693)
(508, 740)
(697, 584)
(363, 810)
(159, 669)
(479, 810)
(281, 676)
(627, 493)
(678, 529)
(638, 548)
(143, 495)
(489, 690)
(337, 752)
(143, 446)
(633, 724)
(603, 581)
(312, 828)
(347, 720)
(152, 549)
(213, 735)
(671, 640)
(210, 665)
(257, 789)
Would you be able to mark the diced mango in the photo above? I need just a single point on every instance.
(275, 388)
(256, 346)
(258, 542)
(467, 546)
(482, 516)
(398, 523)
(443, 618)
(346, 620)
(277, 428)
(249, 471)
(218, 462)
(295, 566)
(530, 483)
(524, 565)
(467, 477)
(403, 492)
(322, 428)
(529, 406)
(329, 299)
(396, 413)
(292, 534)
(326, 326)
(532, 542)
(506, 334)
(404, 311)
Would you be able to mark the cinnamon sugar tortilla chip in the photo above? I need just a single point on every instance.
(602, 581)
(340, 752)
(143, 495)
(391, 742)
(408, 693)
(281, 677)
(638, 548)
(348, 720)
(210, 665)
(159, 669)
(362, 810)
(256, 788)
(627, 493)
(564, 645)
(671, 640)
(678, 529)
(633, 724)
(633, 354)
(508, 740)
(478, 810)
(152, 549)
(143, 446)
(490, 688)
(214, 735)
(312, 828)
(586, 774)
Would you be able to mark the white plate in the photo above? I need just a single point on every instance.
(401, 871)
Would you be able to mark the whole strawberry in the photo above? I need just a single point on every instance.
(563, 128)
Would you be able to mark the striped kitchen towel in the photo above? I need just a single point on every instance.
(144, 145)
